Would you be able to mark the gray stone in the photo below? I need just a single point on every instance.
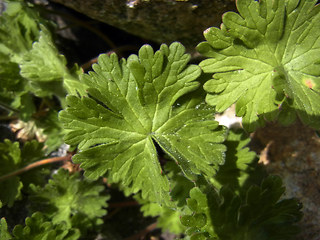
(162, 21)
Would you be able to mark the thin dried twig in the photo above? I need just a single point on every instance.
(34, 165)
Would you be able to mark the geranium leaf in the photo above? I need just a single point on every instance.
(37, 227)
(132, 105)
(46, 69)
(68, 198)
(267, 60)
(257, 214)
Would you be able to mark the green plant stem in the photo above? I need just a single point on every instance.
(34, 165)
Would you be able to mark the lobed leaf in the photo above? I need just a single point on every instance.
(46, 71)
(257, 214)
(71, 200)
(133, 104)
(266, 59)
(37, 227)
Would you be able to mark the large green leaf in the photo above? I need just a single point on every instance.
(132, 105)
(267, 60)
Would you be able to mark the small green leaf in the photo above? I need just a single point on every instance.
(46, 69)
(132, 105)
(4, 233)
(67, 198)
(188, 221)
(263, 58)
(168, 219)
(37, 227)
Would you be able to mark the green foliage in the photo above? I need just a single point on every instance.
(46, 71)
(267, 60)
(12, 158)
(19, 28)
(51, 128)
(35, 68)
(240, 168)
(131, 105)
(37, 228)
(142, 123)
(4, 234)
(261, 215)
(169, 218)
(70, 199)
(45, 68)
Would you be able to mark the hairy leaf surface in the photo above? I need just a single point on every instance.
(133, 104)
(267, 60)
